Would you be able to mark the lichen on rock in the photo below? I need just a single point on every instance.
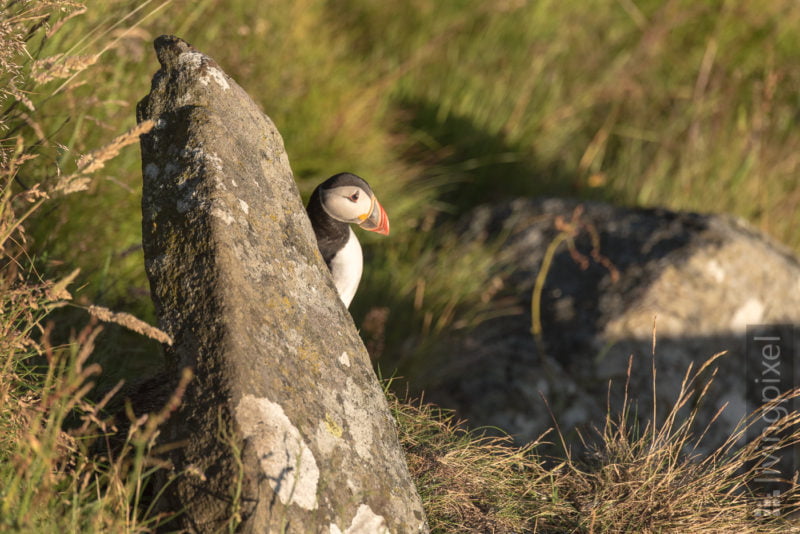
(285, 419)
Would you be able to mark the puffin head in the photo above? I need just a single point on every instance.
(348, 198)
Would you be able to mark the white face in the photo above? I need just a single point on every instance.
(348, 203)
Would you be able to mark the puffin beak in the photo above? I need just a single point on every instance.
(376, 221)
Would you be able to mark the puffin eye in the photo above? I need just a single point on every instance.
(353, 197)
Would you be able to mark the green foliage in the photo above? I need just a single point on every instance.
(445, 105)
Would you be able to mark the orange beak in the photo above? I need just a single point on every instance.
(377, 221)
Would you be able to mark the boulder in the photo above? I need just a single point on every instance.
(285, 427)
(699, 279)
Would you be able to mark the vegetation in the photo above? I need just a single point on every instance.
(634, 480)
(441, 105)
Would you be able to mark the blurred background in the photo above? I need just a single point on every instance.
(441, 105)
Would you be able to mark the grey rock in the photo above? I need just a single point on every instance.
(701, 278)
(285, 427)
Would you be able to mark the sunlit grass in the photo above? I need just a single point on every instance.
(58, 468)
(445, 105)
(642, 480)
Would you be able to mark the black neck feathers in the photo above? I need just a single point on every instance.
(331, 234)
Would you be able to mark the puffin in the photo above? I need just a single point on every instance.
(342, 200)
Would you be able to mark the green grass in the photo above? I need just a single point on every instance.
(441, 106)
(445, 105)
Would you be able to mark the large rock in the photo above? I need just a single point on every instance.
(285, 426)
(702, 278)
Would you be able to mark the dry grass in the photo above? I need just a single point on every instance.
(470, 482)
(635, 480)
(652, 480)
(60, 66)
(92, 162)
(58, 468)
(131, 323)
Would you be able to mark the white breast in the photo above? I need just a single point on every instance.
(346, 267)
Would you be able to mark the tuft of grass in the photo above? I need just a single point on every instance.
(59, 469)
(652, 479)
(642, 480)
(470, 482)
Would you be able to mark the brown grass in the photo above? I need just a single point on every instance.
(638, 481)
(58, 469)
(131, 323)
(96, 159)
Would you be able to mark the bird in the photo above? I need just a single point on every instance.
(342, 200)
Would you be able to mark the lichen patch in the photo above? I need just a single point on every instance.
(359, 423)
(191, 58)
(285, 459)
(213, 161)
(326, 440)
(226, 217)
(365, 522)
(183, 205)
(215, 75)
(716, 271)
(333, 427)
(198, 61)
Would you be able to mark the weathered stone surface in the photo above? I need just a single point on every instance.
(285, 426)
(703, 278)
